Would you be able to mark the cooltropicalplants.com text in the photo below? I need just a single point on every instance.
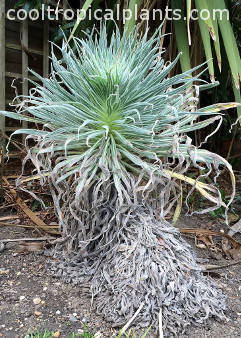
(121, 14)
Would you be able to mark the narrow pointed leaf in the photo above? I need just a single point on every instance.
(86, 5)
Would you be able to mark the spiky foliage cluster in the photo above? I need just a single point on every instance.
(113, 148)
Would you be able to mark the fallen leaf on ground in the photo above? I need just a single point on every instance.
(56, 334)
(31, 247)
(206, 239)
(236, 245)
(23, 205)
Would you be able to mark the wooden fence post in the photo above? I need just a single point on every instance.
(24, 38)
(2, 72)
(46, 48)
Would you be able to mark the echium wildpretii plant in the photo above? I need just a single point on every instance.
(114, 148)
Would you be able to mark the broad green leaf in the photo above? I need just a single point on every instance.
(215, 28)
(181, 36)
(230, 43)
(206, 42)
(130, 23)
(238, 99)
(204, 5)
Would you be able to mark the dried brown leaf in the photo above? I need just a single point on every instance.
(236, 245)
(206, 239)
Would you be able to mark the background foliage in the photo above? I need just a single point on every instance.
(217, 41)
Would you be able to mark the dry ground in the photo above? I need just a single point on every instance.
(67, 308)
